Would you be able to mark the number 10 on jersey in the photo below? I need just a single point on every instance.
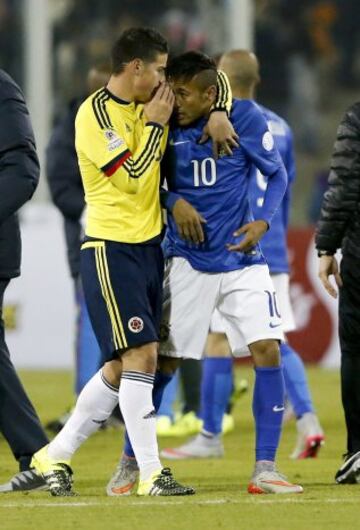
(204, 172)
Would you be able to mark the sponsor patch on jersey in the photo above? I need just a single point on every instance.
(114, 141)
(268, 141)
(136, 324)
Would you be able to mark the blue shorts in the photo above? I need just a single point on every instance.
(123, 291)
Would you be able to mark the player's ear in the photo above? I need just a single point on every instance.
(211, 93)
(137, 66)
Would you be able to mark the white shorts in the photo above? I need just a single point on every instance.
(281, 285)
(244, 299)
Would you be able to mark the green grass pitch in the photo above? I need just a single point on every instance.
(221, 501)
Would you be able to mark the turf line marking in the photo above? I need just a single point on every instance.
(255, 500)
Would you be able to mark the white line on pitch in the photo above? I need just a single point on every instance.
(257, 500)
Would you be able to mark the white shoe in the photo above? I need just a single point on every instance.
(199, 447)
(310, 437)
(124, 478)
(272, 482)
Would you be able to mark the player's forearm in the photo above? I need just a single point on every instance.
(147, 154)
(273, 196)
(168, 199)
(286, 202)
(127, 173)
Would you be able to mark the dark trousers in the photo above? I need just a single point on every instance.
(19, 422)
(349, 334)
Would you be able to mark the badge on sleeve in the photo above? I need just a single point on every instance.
(114, 141)
(268, 141)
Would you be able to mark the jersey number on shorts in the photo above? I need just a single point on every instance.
(204, 172)
(273, 308)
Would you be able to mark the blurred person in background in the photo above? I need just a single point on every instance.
(11, 56)
(67, 193)
(19, 176)
(339, 227)
(304, 95)
(271, 44)
(348, 39)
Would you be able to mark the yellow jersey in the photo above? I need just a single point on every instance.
(119, 154)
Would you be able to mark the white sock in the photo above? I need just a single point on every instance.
(136, 404)
(94, 405)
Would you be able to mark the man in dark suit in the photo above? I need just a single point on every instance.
(19, 176)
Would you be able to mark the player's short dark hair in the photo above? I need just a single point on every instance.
(189, 64)
(137, 43)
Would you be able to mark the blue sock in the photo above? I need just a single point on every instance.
(296, 384)
(268, 409)
(216, 388)
(88, 353)
(169, 396)
(160, 382)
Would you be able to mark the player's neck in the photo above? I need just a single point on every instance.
(121, 87)
(243, 93)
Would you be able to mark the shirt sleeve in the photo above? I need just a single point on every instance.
(258, 143)
(108, 151)
(19, 165)
(224, 94)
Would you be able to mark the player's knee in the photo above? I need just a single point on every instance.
(141, 359)
(217, 345)
(112, 372)
(265, 353)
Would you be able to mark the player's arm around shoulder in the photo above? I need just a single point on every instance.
(219, 127)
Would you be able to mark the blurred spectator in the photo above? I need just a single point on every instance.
(320, 185)
(83, 29)
(304, 94)
(348, 39)
(272, 49)
(11, 46)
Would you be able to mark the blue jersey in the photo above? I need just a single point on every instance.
(274, 244)
(219, 190)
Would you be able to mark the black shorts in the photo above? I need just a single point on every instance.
(123, 292)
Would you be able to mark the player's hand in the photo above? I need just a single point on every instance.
(253, 233)
(160, 107)
(328, 266)
(219, 128)
(188, 221)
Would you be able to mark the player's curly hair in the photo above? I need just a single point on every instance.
(137, 43)
(189, 64)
